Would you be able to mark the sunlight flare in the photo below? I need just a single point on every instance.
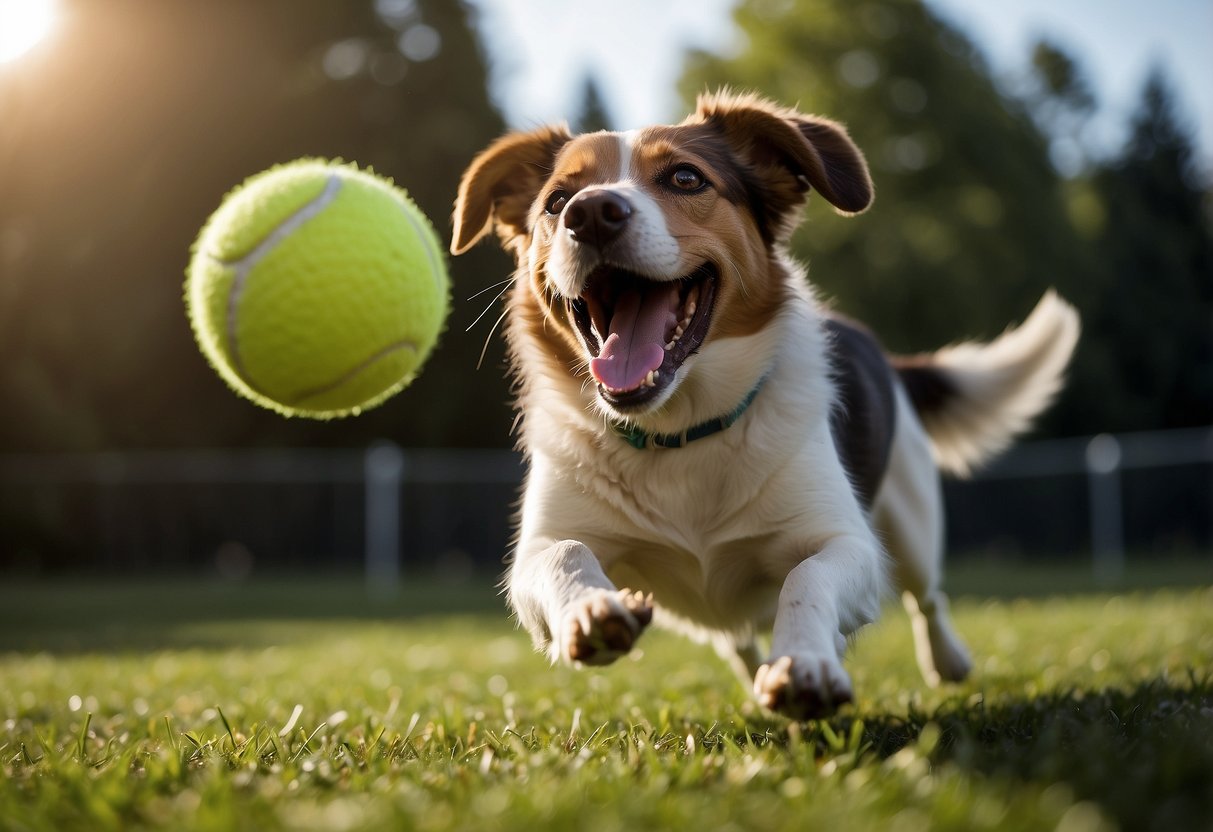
(23, 23)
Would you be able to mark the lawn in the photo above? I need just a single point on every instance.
(291, 705)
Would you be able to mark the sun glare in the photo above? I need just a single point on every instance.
(22, 24)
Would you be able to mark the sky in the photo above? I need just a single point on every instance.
(634, 49)
(542, 51)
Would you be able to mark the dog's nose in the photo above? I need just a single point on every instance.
(597, 217)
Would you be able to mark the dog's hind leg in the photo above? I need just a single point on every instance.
(742, 653)
(908, 513)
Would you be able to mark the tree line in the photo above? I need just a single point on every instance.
(988, 193)
(116, 148)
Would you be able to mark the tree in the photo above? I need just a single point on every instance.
(1150, 319)
(1058, 86)
(594, 114)
(969, 225)
(1060, 98)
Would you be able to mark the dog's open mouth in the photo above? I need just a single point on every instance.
(639, 331)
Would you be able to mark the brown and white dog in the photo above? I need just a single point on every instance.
(699, 429)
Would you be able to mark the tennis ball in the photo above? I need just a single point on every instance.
(317, 289)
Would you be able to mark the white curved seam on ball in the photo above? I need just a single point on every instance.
(312, 392)
(246, 263)
(424, 236)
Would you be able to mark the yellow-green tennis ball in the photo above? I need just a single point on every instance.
(317, 289)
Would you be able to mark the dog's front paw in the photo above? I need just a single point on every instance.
(604, 625)
(803, 686)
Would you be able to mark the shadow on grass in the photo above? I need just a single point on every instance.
(1143, 754)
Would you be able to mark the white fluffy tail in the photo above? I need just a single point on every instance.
(973, 399)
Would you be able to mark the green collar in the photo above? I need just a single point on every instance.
(642, 439)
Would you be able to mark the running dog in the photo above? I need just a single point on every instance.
(709, 446)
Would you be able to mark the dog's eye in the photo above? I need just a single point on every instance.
(556, 202)
(686, 178)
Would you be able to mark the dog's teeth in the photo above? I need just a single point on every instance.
(691, 307)
(670, 345)
(678, 330)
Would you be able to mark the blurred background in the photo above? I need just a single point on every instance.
(1015, 146)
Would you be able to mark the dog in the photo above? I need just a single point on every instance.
(709, 447)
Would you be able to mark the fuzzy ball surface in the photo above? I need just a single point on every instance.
(317, 289)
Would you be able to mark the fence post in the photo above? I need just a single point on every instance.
(1103, 459)
(383, 470)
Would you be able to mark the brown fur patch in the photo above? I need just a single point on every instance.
(715, 225)
(500, 185)
(759, 160)
(786, 152)
(532, 311)
(587, 160)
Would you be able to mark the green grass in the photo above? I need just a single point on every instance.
(174, 706)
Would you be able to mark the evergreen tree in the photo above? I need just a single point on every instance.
(594, 114)
(1150, 322)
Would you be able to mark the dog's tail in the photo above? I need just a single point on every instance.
(973, 399)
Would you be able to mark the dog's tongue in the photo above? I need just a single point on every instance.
(635, 347)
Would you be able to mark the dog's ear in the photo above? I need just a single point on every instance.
(501, 183)
(788, 153)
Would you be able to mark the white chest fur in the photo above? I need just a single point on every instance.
(711, 528)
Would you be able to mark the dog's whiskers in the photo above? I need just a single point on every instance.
(490, 288)
(489, 337)
(496, 298)
(740, 280)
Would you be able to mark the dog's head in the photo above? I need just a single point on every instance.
(644, 251)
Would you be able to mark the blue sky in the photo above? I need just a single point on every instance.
(543, 49)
